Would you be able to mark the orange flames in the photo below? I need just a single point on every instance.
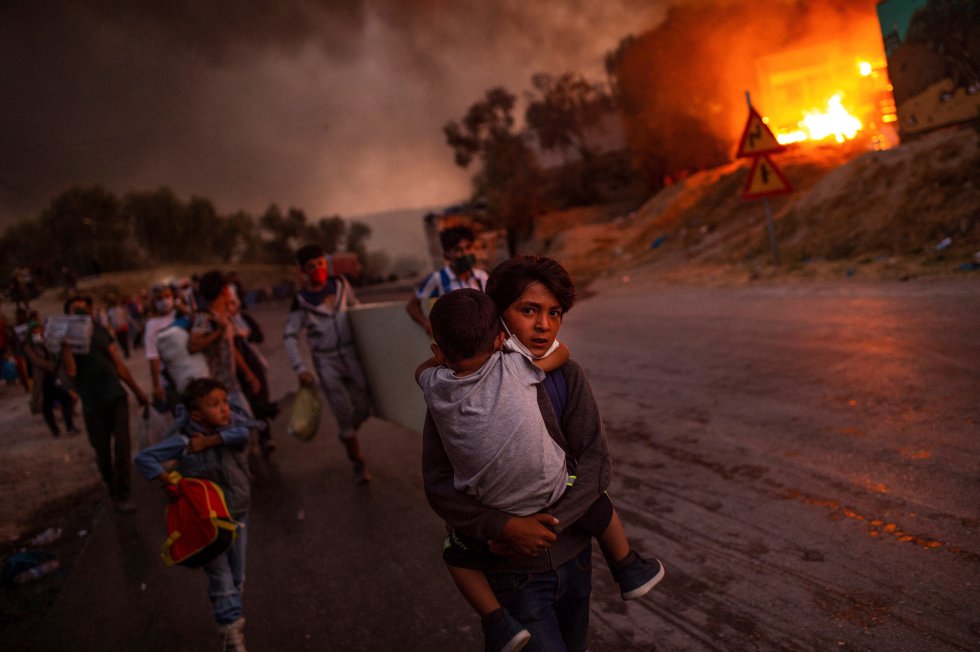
(835, 122)
(858, 104)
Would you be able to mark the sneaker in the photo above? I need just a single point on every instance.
(233, 636)
(361, 475)
(638, 578)
(125, 506)
(505, 635)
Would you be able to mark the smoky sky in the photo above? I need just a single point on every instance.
(329, 106)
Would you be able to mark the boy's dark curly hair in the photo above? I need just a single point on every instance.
(464, 323)
(197, 389)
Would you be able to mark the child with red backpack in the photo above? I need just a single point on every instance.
(211, 442)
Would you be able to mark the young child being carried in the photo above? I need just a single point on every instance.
(211, 442)
(484, 403)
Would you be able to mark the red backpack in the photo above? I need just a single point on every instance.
(199, 527)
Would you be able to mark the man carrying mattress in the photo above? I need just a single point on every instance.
(320, 308)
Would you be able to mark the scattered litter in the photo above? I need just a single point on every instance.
(626, 279)
(143, 586)
(968, 267)
(82, 534)
(300, 515)
(945, 242)
(659, 240)
(28, 566)
(50, 535)
(850, 272)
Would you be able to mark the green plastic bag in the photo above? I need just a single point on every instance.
(305, 418)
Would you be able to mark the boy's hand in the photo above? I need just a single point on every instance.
(306, 378)
(198, 442)
(529, 535)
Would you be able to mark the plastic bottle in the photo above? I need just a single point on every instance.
(50, 535)
(37, 572)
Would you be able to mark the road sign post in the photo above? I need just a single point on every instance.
(765, 179)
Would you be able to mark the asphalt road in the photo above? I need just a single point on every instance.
(804, 460)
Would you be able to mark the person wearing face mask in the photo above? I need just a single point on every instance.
(164, 313)
(105, 407)
(47, 388)
(459, 272)
(320, 309)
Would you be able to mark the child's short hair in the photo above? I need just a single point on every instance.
(211, 284)
(308, 252)
(464, 324)
(197, 389)
(510, 279)
(452, 236)
(71, 300)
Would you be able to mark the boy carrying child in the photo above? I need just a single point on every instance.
(211, 443)
(483, 401)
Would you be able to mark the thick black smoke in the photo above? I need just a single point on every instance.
(332, 106)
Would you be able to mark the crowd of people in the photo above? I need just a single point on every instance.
(514, 453)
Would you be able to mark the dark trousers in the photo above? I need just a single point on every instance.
(108, 433)
(53, 393)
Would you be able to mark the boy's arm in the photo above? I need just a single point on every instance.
(553, 361)
(585, 438)
(149, 461)
(428, 364)
(201, 339)
(126, 376)
(414, 309)
(290, 338)
(241, 365)
(68, 360)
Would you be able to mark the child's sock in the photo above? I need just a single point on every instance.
(493, 618)
(630, 558)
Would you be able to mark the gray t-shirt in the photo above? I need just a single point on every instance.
(494, 435)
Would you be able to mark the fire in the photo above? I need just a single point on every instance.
(820, 93)
(817, 125)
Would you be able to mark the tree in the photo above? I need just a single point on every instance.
(154, 217)
(564, 113)
(328, 232)
(86, 230)
(357, 237)
(283, 231)
(565, 110)
(509, 179)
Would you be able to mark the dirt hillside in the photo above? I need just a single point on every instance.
(884, 214)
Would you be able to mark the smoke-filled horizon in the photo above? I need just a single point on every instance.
(331, 106)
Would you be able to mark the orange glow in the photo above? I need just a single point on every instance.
(817, 125)
(830, 91)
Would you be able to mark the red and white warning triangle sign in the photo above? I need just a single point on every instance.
(765, 179)
(757, 138)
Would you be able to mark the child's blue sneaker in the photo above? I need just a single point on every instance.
(638, 578)
(505, 634)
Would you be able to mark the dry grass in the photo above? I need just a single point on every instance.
(882, 213)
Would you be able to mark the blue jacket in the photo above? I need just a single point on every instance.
(226, 465)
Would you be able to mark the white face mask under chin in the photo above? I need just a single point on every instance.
(515, 345)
